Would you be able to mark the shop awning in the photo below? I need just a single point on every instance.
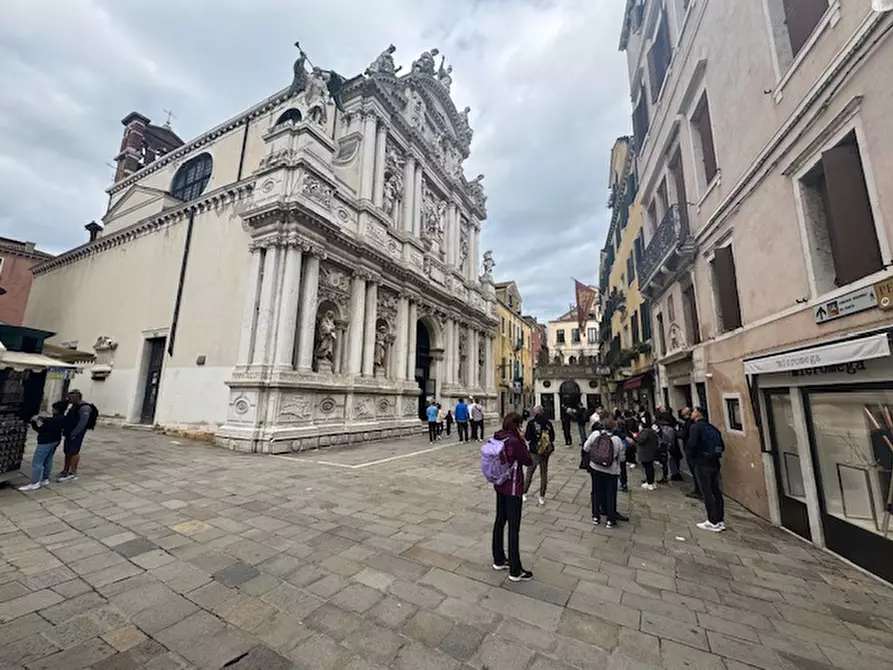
(636, 382)
(836, 353)
(19, 360)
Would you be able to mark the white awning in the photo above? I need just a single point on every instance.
(21, 361)
(862, 349)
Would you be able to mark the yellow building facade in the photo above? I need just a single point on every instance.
(626, 329)
(512, 351)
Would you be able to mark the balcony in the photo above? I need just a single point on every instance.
(566, 371)
(670, 250)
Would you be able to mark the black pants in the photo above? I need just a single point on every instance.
(624, 478)
(604, 495)
(508, 510)
(449, 427)
(462, 429)
(477, 430)
(694, 476)
(707, 476)
(432, 430)
(648, 466)
(566, 429)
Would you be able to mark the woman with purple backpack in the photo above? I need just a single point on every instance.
(507, 445)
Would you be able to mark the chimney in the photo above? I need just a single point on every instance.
(94, 229)
(129, 159)
(29, 247)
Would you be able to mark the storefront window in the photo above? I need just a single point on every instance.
(853, 433)
(787, 445)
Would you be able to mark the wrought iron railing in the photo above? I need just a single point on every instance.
(671, 233)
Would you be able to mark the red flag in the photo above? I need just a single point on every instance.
(585, 300)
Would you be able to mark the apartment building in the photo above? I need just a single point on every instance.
(513, 349)
(765, 171)
(625, 331)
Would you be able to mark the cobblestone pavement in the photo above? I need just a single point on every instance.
(171, 554)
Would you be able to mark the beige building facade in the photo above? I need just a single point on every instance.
(765, 165)
(304, 274)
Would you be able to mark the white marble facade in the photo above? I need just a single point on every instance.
(342, 282)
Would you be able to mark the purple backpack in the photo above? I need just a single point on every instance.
(494, 467)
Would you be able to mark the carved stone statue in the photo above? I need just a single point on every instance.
(489, 264)
(383, 340)
(433, 213)
(325, 342)
(444, 75)
(476, 192)
(384, 64)
(425, 63)
(299, 82)
(464, 130)
(416, 111)
(463, 244)
(317, 90)
(463, 355)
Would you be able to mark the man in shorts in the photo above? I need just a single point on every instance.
(76, 420)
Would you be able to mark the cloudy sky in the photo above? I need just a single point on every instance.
(544, 78)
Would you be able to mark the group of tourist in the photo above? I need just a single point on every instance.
(69, 423)
(465, 415)
(614, 442)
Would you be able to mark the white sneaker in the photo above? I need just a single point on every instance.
(713, 528)
(542, 500)
(524, 498)
(30, 487)
(645, 485)
(44, 482)
(651, 487)
(632, 466)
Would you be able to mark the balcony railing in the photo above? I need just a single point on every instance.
(669, 247)
(577, 370)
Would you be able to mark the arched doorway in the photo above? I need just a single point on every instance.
(570, 395)
(423, 366)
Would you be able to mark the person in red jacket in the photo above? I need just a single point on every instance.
(508, 500)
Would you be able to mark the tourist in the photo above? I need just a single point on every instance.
(595, 417)
(566, 418)
(49, 435)
(80, 417)
(449, 421)
(647, 448)
(669, 448)
(441, 420)
(606, 455)
(476, 414)
(540, 438)
(462, 420)
(705, 445)
(508, 500)
(583, 423)
(431, 413)
(684, 435)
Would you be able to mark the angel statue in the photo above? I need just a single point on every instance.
(299, 83)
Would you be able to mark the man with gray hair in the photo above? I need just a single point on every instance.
(540, 438)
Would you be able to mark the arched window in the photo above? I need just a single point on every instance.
(192, 178)
(288, 116)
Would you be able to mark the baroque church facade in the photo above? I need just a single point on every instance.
(305, 274)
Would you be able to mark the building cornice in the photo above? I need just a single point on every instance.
(16, 250)
(215, 199)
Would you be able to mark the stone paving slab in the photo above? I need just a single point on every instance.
(377, 557)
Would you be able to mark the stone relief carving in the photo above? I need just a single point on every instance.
(425, 64)
(463, 243)
(384, 64)
(327, 405)
(383, 341)
(476, 193)
(324, 349)
(393, 180)
(433, 215)
(387, 305)
(334, 286)
(317, 190)
(299, 408)
(364, 409)
(384, 406)
(416, 111)
(410, 407)
(348, 150)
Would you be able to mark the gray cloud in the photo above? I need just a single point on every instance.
(545, 81)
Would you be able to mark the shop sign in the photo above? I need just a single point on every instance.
(603, 370)
(845, 305)
(60, 373)
(883, 290)
(824, 356)
(850, 368)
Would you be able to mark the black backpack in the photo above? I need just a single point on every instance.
(94, 414)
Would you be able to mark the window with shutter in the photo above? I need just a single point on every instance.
(634, 327)
(801, 18)
(661, 336)
(630, 270)
(640, 119)
(704, 129)
(659, 57)
(645, 319)
(726, 288)
(690, 308)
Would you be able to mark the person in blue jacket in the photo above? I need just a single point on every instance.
(431, 414)
(462, 420)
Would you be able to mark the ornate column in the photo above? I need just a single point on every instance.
(367, 177)
(489, 382)
(355, 329)
(452, 237)
(475, 379)
(288, 303)
(412, 333)
(408, 193)
(448, 352)
(474, 252)
(401, 344)
(309, 298)
(417, 203)
(380, 148)
(469, 357)
(340, 347)
(267, 306)
(369, 330)
(249, 314)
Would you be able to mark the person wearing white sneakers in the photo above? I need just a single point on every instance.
(647, 448)
(705, 444)
(540, 437)
(49, 435)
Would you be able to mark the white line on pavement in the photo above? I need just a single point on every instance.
(370, 463)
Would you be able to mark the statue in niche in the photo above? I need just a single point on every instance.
(482, 359)
(433, 212)
(324, 351)
(444, 76)
(425, 62)
(384, 64)
(393, 181)
(463, 356)
(489, 264)
(383, 340)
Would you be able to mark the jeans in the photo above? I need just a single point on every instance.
(542, 462)
(583, 436)
(432, 430)
(462, 429)
(707, 476)
(508, 510)
(604, 495)
(648, 466)
(42, 463)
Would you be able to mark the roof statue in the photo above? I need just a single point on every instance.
(334, 82)
(425, 62)
(384, 64)
(444, 75)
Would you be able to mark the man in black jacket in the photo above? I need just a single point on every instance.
(707, 467)
(684, 433)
